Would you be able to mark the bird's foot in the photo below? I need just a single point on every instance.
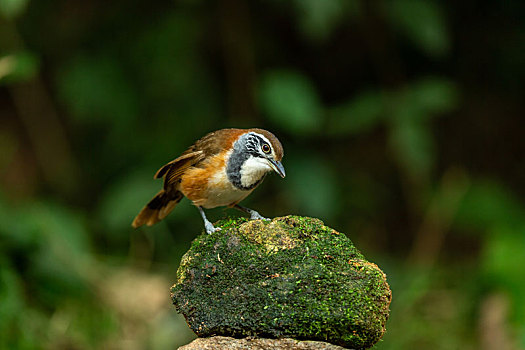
(207, 224)
(210, 228)
(256, 216)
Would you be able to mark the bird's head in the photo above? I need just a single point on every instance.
(254, 154)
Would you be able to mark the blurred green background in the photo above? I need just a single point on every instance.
(402, 122)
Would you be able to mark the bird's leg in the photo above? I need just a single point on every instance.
(207, 224)
(254, 215)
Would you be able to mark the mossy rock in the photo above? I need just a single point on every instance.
(291, 277)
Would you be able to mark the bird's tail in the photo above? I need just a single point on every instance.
(157, 208)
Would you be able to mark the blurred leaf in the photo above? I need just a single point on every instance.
(64, 261)
(17, 232)
(18, 67)
(290, 100)
(409, 107)
(64, 230)
(434, 95)
(20, 325)
(413, 146)
(124, 200)
(48, 249)
(53, 241)
(10, 295)
(318, 18)
(422, 22)
(421, 100)
(96, 89)
(503, 262)
(503, 258)
(487, 205)
(359, 115)
(90, 323)
(418, 101)
(11, 9)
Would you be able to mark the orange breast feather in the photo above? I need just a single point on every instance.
(196, 181)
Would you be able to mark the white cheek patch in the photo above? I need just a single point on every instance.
(253, 170)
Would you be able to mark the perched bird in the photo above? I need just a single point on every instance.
(220, 169)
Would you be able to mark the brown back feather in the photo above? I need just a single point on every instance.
(207, 146)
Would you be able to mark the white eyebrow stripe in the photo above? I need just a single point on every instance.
(267, 141)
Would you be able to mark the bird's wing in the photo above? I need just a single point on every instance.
(174, 169)
(209, 145)
(217, 141)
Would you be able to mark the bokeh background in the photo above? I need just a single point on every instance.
(402, 122)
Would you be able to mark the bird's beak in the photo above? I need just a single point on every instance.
(278, 167)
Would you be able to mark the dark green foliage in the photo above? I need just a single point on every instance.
(291, 277)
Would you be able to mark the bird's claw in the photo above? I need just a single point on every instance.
(210, 228)
(256, 216)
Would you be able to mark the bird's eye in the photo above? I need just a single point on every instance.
(265, 148)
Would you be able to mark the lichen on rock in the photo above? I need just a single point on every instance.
(290, 277)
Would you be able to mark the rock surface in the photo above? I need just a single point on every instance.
(292, 277)
(226, 343)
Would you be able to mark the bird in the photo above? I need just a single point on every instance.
(220, 169)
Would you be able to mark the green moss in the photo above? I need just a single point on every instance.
(292, 277)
